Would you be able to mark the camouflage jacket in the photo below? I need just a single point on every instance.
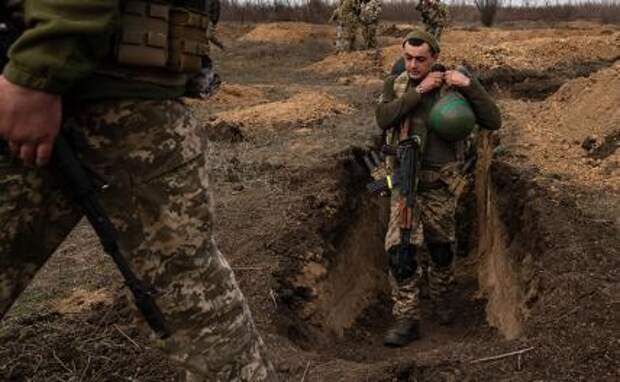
(399, 101)
(347, 10)
(64, 45)
(370, 11)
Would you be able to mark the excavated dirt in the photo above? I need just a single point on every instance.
(288, 129)
(304, 108)
(288, 33)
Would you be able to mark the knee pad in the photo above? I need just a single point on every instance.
(402, 262)
(441, 254)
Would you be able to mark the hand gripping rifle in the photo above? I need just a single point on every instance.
(80, 186)
(408, 154)
(405, 179)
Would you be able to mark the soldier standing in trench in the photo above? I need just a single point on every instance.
(408, 102)
(73, 67)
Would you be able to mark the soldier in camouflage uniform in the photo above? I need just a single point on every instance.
(370, 13)
(346, 16)
(138, 136)
(405, 104)
(434, 16)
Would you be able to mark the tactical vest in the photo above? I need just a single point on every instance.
(161, 42)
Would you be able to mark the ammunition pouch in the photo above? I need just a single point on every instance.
(452, 177)
(161, 36)
(448, 176)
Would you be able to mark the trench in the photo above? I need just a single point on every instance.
(341, 285)
(537, 85)
(349, 287)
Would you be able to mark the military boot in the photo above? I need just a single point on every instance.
(402, 333)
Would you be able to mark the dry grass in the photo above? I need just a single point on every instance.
(318, 11)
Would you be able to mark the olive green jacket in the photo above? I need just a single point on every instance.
(64, 47)
(392, 110)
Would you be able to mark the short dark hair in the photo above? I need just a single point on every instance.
(419, 42)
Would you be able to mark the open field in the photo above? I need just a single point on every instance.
(287, 130)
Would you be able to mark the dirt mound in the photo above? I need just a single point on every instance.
(389, 55)
(394, 30)
(348, 63)
(580, 117)
(543, 53)
(301, 109)
(288, 33)
(538, 53)
(238, 94)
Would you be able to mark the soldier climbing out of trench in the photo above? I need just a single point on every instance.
(428, 111)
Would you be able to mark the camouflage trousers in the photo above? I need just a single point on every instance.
(151, 153)
(369, 32)
(346, 34)
(434, 222)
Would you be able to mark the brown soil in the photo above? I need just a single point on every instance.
(288, 33)
(287, 132)
(303, 108)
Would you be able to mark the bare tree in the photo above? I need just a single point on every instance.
(487, 9)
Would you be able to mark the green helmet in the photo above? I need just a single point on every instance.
(452, 118)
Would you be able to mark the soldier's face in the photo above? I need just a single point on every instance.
(418, 60)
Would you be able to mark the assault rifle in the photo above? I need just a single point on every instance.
(80, 186)
(405, 180)
(408, 155)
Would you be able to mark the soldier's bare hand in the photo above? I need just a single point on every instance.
(457, 79)
(29, 121)
(431, 81)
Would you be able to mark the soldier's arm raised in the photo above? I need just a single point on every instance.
(488, 115)
(391, 110)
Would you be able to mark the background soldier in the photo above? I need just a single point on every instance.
(145, 143)
(434, 16)
(370, 14)
(346, 16)
(415, 101)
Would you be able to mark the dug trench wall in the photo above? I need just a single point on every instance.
(334, 263)
(336, 268)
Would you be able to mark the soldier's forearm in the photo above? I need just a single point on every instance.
(390, 113)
